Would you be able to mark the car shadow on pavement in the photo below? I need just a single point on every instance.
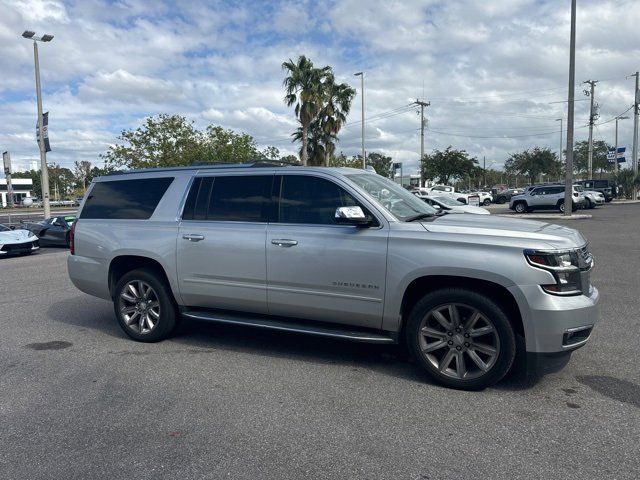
(200, 337)
(86, 312)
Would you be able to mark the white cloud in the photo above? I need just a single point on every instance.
(491, 69)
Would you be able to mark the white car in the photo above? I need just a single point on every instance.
(448, 204)
(17, 242)
(485, 197)
(442, 190)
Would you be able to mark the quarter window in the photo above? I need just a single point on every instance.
(125, 199)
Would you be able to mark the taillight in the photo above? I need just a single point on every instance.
(72, 237)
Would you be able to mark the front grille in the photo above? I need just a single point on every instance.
(17, 247)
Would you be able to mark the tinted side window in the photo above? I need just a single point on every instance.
(311, 200)
(556, 190)
(229, 198)
(125, 199)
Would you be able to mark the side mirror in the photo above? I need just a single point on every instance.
(352, 216)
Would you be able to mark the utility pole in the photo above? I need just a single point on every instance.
(636, 107)
(422, 105)
(361, 75)
(484, 171)
(6, 160)
(568, 180)
(592, 117)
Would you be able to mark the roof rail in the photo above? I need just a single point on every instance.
(207, 166)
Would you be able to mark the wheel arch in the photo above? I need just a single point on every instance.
(420, 286)
(123, 264)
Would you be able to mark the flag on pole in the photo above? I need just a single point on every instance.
(45, 129)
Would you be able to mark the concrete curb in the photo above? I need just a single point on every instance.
(546, 216)
(623, 202)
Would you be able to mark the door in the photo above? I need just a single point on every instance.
(317, 269)
(221, 243)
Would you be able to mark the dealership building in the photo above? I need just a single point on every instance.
(21, 189)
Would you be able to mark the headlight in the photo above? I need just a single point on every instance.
(565, 268)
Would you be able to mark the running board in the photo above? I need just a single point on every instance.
(291, 325)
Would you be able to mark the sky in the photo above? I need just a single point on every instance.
(494, 71)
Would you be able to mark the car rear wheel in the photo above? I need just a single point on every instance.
(461, 339)
(144, 306)
(502, 200)
(520, 207)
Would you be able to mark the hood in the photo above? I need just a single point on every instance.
(534, 234)
(14, 236)
(471, 209)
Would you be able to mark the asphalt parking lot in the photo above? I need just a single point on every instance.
(79, 400)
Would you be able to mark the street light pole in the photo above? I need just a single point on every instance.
(361, 75)
(43, 153)
(560, 154)
(568, 180)
(636, 112)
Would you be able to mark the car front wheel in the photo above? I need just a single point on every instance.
(144, 306)
(486, 202)
(520, 207)
(461, 339)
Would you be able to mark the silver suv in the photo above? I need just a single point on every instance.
(339, 253)
(545, 197)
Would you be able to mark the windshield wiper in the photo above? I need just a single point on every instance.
(419, 216)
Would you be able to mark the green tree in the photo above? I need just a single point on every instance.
(337, 104)
(382, 164)
(290, 159)
(581, 157)
(626, 182)
(219, 145)
(316, 139)
(83, 173)
(61, 180)
(446, 165)
(343, 161)
(304, 88)
(162, 141)
(533, 163)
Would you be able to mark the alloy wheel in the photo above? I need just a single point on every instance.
(139, 306)
(459, 341)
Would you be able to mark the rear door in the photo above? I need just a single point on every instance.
(221, 242)
(317, 269)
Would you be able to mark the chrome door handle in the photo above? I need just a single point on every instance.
(284, 242)
(193, 237)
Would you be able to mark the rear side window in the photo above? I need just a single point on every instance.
(125, 199)
(229, 199)
(311, 200)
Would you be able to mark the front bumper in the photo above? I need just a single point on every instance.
(554, 324)
(20, 248)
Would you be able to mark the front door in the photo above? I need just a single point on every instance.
(317, 269)
(221, 243)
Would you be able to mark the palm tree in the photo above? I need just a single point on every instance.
(337, 103)
(304, 88)
(315, 143)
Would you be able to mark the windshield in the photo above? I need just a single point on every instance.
(392, 197)
(449, 201)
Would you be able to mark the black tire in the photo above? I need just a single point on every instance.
(486, 202)
(67, 239)
(561, 206)
(502, 200)
(520, 207)
(465, 299)
(166, 321)
(590, 204)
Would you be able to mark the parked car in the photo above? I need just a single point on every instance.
(592, 198)
(53, 231)
(334, 252)
(440, 190)
(17, 242)
(544, 197)
(449, 205)
(603, 186)
(504, 196)
(484, 197)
